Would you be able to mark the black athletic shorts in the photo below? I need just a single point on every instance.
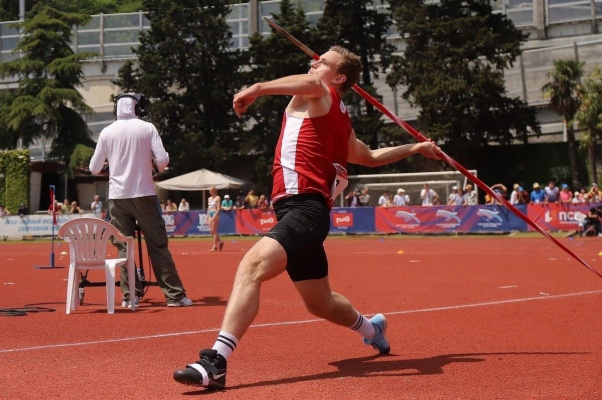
(303, 224)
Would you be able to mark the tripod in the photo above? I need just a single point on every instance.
(140, 270)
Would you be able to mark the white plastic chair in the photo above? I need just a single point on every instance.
(88, 238)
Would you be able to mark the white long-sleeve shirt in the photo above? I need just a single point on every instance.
(130, 145)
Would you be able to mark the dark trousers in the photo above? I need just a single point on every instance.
(124, 214)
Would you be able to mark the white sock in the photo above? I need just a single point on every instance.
(225, 344)
(364, 327)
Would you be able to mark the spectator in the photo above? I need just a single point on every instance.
(352, 199)
(500, 189)
(364, 198)
(592, 221)
(163, 206)
(23, 210)
(470, 196)
(382, 200)
(96, 205)
(428, 196)
(515, 195)
(401, 199)
(594, 194)
(56, 207)
(3, 211)
(538, 196)
(578, 198)
(183, 206)
(566, 196)
(65, 207)
(227, 203)
(454, 198)
(251, 199)
(523, 196)
(262, 203)
(75, 208)
(239, 204)
(552, 192)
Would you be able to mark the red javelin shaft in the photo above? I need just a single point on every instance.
(421, 138)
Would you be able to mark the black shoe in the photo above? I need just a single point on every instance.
(209, 371)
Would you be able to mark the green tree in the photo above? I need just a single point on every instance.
(362, 28)
(46, 102)
(452, 68)
(589, 117)
(186, 68)
(9, 10)
(562, 90)
(273, 57)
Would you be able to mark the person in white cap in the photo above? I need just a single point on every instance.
(454, 198)
(401, 199)
(227, 203)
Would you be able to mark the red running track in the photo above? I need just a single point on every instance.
(469, 318)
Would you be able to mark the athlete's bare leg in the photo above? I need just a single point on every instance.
(264, 261)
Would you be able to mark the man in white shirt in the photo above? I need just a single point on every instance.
(401, 199)
(428, 196)
(131, 147)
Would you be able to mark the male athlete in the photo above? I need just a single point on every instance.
(316, 142)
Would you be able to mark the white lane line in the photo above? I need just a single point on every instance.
(508, 287)
(307, 321)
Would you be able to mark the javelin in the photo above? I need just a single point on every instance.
(421, 138)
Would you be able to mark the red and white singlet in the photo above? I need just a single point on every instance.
(307, 149)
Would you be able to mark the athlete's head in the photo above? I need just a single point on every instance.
(348, 65)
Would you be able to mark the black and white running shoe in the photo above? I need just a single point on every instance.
(209, 371)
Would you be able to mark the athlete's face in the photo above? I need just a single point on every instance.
(325, 68)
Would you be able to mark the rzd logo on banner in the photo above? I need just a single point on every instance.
(342, 220)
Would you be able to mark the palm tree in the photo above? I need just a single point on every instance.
(564, 100)
(589, 117)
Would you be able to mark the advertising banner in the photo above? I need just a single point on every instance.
(17, 227)
(558, 217)
(352, 220)
(194, 223)
(254, 222)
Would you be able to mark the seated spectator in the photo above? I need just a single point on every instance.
(578, 198)
(538, 196)
(170, 206)
(183, 206)
(23, 210)
(96, 205)
(552, 193)
(3, 211)
(163, 206)
(239, 204)
(262, 203)
(470, 196)
(227, 204)
(594, 194)
(252, 199)
(500, 189)
(75, 208)
(566, 196)
(389, 202)
(364, 198)
(592, 222)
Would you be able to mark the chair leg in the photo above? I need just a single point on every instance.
(131, 268)
(70, 288)
(110, 284)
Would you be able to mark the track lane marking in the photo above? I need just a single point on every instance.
(308, 321)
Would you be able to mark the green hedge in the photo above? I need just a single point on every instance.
(14, 179)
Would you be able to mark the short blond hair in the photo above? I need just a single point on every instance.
(350, 66)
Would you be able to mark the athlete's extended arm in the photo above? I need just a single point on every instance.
(360, 153)
(306, 85)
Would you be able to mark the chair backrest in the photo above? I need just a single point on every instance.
(88, 238)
